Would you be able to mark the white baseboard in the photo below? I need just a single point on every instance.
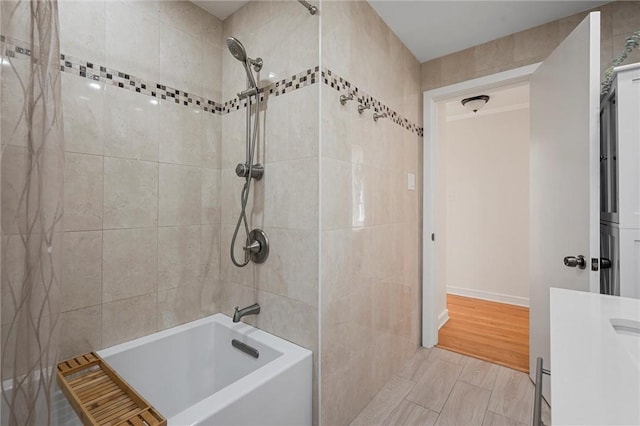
(443, 318)
(487, 295)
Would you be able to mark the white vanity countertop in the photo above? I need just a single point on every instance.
(595, 370)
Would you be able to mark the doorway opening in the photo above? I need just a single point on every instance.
(435, 312)
(482, 226)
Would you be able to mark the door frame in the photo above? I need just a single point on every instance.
(429, 182)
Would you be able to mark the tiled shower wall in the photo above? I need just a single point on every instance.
(285, 202)
(370, 288)
(142, 217)
(618, 19)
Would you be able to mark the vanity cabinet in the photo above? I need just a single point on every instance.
(620, 184)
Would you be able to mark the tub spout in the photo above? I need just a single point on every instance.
(249, 310)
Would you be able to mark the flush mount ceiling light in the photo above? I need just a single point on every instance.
(475, 103)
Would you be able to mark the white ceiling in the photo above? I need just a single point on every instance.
(220, 8)
(431, 29)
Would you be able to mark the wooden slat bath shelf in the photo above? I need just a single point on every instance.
(101, 397)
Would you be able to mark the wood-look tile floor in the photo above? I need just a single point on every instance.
(439, 387)
(491, 331)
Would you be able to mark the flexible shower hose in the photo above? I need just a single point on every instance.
(244, 198)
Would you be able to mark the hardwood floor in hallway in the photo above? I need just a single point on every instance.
(490, 331)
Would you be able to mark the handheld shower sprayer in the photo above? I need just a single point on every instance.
(240, 53)
(256, 247)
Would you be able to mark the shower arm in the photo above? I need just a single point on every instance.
(311, 8)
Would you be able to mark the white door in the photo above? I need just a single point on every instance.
(564, 167)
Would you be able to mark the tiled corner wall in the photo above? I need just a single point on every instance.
(370, 232)
(619, 20)
(142, 215)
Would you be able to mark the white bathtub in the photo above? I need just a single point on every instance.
(194, 376)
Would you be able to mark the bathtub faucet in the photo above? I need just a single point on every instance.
(249, 310)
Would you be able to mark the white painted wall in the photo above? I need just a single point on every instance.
(483, 199)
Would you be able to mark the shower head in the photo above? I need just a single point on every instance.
(237, 49)
(240, 53)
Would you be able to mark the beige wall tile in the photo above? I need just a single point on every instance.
(494, 54)
(130, 193)
(127, 21)
(178, 256)
(288, 318)
(292, 269)
(210, 269)
(210, 253)
(459, 66)
(228, 272)
(185, 16)
(82, 272)
(291, 187)
(180, 195)
(82, 30)
(212, 52)
(233, 140)
(83, 109)
(350, 187)
(181, 59)
(536, 43)
(210, 197)
(230, 201)
(209, 298)
(83, 182)
(180, 134)
(303, 126)
(131, 125)
(431, 74)
(130, 263)
(82, 331)
(211, 141)
(128, 319)
(337, 140)
(625, 17)
(178, 306)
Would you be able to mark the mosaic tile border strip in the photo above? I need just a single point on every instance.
(336, 82)
(69, 64)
